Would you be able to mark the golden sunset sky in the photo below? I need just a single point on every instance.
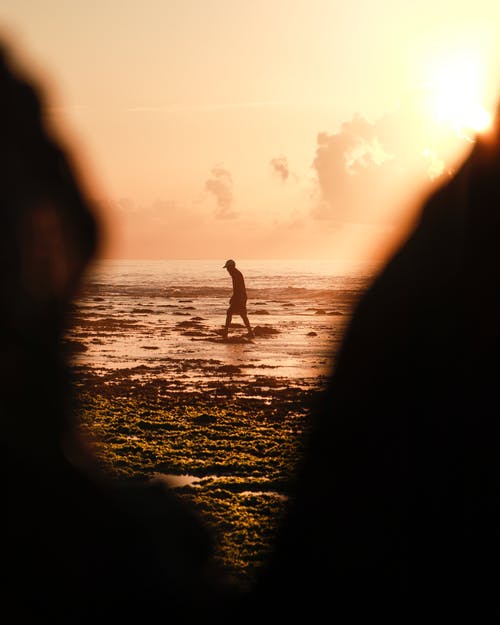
(263, 128)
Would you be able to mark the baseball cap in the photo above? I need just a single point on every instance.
(229, 263)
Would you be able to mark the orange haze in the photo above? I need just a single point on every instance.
(259, 129)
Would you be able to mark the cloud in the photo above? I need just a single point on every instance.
(436, 165)
(348, 165)
(280, 167)
(220, 184)
(366, 168)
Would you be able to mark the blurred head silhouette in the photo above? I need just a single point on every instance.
(48, 234)
(79, 543)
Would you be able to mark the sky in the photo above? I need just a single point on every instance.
(264, 129)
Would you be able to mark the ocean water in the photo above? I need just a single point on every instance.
(160, 315)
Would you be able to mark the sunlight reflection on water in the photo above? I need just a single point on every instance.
(178, 481)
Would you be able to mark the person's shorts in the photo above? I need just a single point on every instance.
(237, 307)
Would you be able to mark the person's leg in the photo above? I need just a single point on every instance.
(247, 323)
(229, 317)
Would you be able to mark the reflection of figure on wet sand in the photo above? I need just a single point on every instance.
(78, 547)
(238, 301)
(397, 513)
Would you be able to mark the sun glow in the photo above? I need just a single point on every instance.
(455, 93)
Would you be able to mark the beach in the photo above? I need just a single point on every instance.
(160, 396)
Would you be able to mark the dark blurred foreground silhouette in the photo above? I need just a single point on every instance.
(398, 499)
(79, 548)
(395, 513)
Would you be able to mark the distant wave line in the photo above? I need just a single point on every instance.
(173, 291)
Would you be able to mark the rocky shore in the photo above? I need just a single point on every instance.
(226, 438)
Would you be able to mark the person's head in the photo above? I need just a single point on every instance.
(48, 234)
(230, 265)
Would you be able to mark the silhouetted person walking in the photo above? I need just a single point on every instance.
(238, 301)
